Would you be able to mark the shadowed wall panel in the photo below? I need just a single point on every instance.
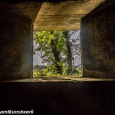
(98, 43)
(15, 46)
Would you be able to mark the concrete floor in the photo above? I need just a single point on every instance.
(60, 79)
(59, 98)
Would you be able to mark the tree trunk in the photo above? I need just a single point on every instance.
(56, 54)
(69, 54)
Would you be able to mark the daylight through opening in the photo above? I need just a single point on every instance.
(56, 55)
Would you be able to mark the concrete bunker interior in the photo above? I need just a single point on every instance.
(95, 19)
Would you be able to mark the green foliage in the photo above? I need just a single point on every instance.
(77, 71)
(52, 45)
(33, 52)
(51, 71)
(39, 72)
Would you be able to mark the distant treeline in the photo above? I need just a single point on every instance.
(41, 67)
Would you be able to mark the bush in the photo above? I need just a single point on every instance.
(39, 72)
(51, 71)
(77, 71)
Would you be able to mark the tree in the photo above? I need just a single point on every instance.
(57, 49)
(56, 53)
(69, 53)
(51, 44)
(74, 39)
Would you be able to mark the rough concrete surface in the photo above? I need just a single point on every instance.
(97, 34)
(15, 46)
(58, 98)
(98, 43)
(63, 15)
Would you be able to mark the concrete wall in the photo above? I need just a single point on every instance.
(15, 46)
(98, 42)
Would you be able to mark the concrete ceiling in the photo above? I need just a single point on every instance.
(49, 16)
(63, 15)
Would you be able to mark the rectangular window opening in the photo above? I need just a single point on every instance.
(57, 55)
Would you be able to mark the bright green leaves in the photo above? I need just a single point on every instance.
(59, 63)
(52, 44)
(56, 34)
(60, 44)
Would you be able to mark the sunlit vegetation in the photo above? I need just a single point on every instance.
(58, 51)
(49, 72)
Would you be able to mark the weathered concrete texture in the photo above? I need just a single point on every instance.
(16, 23)
(63, 15)
(16, 39)
(15, 46)
(98, 43)
(25, 9)
(60, 79)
